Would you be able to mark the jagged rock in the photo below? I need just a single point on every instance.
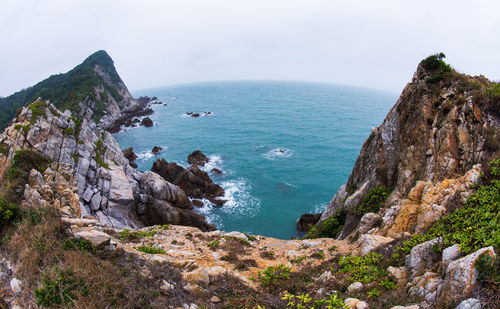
(216, 171)
(156, 150)
(130, 156)
(147, 122)
(470, 303)
(369, 242)
(195, 182)
(306, 221)
(423, 258)
(427, 287)
(368, 222)
(98, 239)
(461, 276)
(450, 254)
(355, 287)
(325, 277)
(398, 274)
(197, 158)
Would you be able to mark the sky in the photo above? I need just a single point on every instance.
(373, 44)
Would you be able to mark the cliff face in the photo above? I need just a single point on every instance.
(435, 133)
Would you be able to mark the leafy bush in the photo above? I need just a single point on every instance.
(99, 153)
(8, 212)
(328, 227)
(128, 235)
(304, 301)
(78, 244)
(298, 259)
(373, 200)
(213, 244)
(150, 250)
(318, 255)
(436, 64)
(61, 287)
(272, 274)
(488, 269)
(37, 110)
(363, 269)
(68, 131)
(23, 162)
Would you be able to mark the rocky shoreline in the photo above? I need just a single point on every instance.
(130, 116)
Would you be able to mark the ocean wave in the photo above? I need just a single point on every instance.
(148, 154)
(239, 199)
(278, 152)
(214, 161)
(318, 208)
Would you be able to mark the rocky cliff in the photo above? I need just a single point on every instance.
(426, 150)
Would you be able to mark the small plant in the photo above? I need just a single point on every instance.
(177, 243)
(363, 269)
(4, 150)
(78, 244)
(213, 244)
(373, 200)
(297, 260)
(23, 162)
(68, 131)
(373, 293)
(37, 109)
(60, 288)
(332, 248)
(267, 254)
(164, 227)
(389, 285)
(8, 212)
(488, 269)
(303, 301)
(100, 150)
(150, 250)
(329, 227)
(272, 274)
(18, 127)
(75, 157)
(128, 235)
(251, 237)
(318, 255)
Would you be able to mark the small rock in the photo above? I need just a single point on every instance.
(15, 285)
(399, 274)
(147, 122)
(355, 303)
(325, 277)
(197, 203)
(156, 150)
(215, 299)
(237, 235)
(199, 276)
(216, 171)
(197, 158)
(310, 243)
(354, 287)
(451, 254)
(371, 242)
(166, 286)
(470, 303)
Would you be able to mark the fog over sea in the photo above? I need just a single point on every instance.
(284, 147)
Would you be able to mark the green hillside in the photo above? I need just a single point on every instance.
(66, 90)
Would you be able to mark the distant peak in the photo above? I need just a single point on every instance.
(101, 58)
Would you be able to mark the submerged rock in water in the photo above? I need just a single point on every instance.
(195, 182)
(147, 122)
(306, 221)
(156, 150)
(197, 158)
(130, 155)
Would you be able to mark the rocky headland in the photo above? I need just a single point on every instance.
(414, 227)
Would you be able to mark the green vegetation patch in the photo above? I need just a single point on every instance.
(100, 150)
(273, 274)
(329, 227)
(373, 200)
(440, 69)
(37, 110)
(78, 244)
(363, 269)
(8, 213)
(303, 301)
(150, 250)
(23, 162)
(128, 235)
(60, 287)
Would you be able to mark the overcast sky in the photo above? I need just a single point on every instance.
(375, 44)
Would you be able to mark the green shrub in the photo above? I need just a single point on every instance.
(17, 127)
(150, 250)
(4, 150)
(328, 227)
(272, 274)
(213, 244)
(68, 131)
(128, 235)
(23, 162)
(298, 259)
(488, 269)
(318, 255)
(373, 200)
(389, 285)
(60, 288)
(8, 212)
(78, 244)
(304, 301)
(436, 64)
(363, 269)
(373, 293)
(99, 153)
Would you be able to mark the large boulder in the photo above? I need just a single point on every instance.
(197, 158)
(306, 221)
(423, 258)
(461, 277)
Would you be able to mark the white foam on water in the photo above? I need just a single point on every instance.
(207, 211)
(239, 199)
(214, 161)
(147, 154)
(291, 185)
(277, 153)
(318, 208)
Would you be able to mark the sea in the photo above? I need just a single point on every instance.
(284, 147)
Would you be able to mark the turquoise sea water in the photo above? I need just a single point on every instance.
(284, 147)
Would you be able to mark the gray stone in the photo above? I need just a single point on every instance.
(95, 202)
(15, 285)
(368, 222)
(423, 258)
(451, 254)
(87, 195)
(237, 235)
(470, 303)
(355, 287)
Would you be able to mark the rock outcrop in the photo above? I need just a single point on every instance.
(427, 149)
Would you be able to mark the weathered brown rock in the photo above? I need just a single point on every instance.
(197, 158)
(156, 150)
(131, 156)
(147, 122)
(306, 221)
